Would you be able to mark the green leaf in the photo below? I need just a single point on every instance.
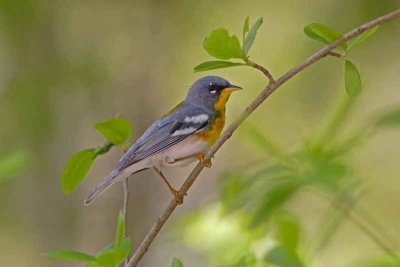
(352, 79)
(212, 65)
(115, 130)
(389, 119)
(120, 229)
(381, 261)
(92, 264)
(280, 257)
(247, 260)
(364, 36)
(245, 27)
(76, 169)
(288, 232)
(278, 194)
(220, 45)
(13, 164)
(113, 255)
(176, 262)
(70, 256)
(324, 34)
(251, 36)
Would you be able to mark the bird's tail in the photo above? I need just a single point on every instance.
(101, 187)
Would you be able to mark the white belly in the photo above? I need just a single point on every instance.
(180, 154)
(175, 156)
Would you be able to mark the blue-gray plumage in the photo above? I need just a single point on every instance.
(173, 140)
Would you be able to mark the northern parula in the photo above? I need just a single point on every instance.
(182, 136)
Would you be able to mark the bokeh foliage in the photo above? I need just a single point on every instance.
(252, 224)
(67, 64)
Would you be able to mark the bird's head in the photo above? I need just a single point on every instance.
(210, 92)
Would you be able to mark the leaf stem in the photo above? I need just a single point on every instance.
(103, 148)
(262, 69)
(335, 54)
(125, 209)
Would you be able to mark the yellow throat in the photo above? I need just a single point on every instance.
(217, 125)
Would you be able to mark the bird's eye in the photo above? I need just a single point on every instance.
(212, 88)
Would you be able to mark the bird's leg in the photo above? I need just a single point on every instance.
(175, 193)
(202, 161)
(200, 158)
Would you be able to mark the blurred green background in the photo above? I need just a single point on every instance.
(65, 65)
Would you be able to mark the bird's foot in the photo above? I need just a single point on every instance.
(203, 162)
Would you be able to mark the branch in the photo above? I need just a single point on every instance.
(271, 87)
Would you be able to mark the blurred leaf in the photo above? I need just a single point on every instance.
(13, 164)
(246, 27)
(288, 232)
(352, 79)
(93, 264)
(231, 189)
(389, 119)
(364, 36)
(280, 257)
(324, 34)
(212, 65)
(70, 256)
(176, 262)
(220, 45)
(262, 141)
(381, 262)
(248, 260)
(114, 255)
(120, 229)
(76, 169)
(277, 195)
(236, 189)
(115, 130)
(251, 36)
(336, 215)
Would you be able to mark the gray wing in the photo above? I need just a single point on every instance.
(165, 133)
(161, 135)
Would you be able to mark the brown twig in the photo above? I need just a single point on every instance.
(335, 54)
(262, 69)
(272, 86)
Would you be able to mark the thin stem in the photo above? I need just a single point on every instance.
(158, 224)
(125, 209)
(262, 69)
(374, 224)
(125, 206)
(335, 54)
(336, 119)
(348, 207)
(373, 236)
(332, 221)
(100, 150)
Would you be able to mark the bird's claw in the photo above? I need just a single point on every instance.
(203, 162)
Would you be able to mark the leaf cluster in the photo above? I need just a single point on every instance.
(324, 34)
(221, 45)
(116, 131)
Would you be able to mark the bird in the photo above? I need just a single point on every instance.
(182, 136)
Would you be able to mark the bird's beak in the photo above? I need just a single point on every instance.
(233, 88)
